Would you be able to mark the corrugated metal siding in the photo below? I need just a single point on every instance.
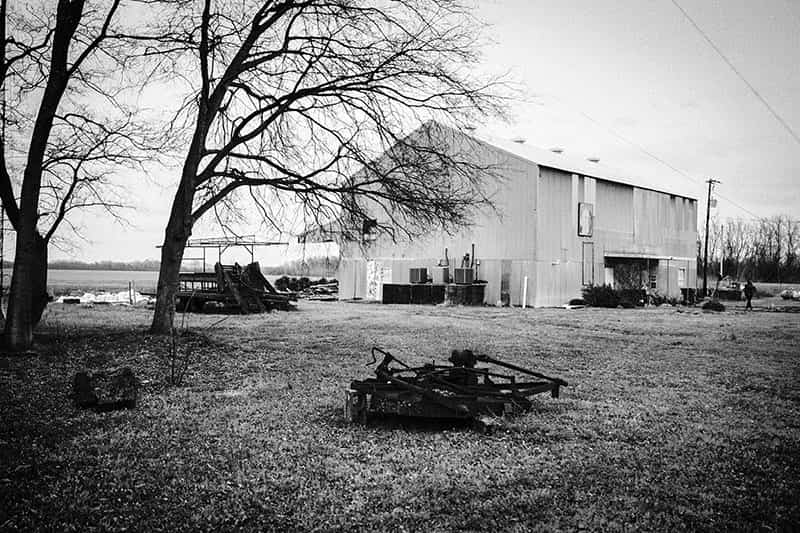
(557, 216)
(626, 220)
(558, 269)
(644, 222)
(557, 283)
(510, 235)
(614, 211)
(663, 224)
(352, 276)
(537, 232)
(507, 233)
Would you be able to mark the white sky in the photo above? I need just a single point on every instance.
(600, 71)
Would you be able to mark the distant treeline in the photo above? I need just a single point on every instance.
(315, 266)
(766, 249)
(148, 265)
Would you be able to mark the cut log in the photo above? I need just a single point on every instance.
(105, 390)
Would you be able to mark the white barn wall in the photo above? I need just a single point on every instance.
(536, 230)
(352, 277)
(626, 219)
(557, 254)
(507, 232)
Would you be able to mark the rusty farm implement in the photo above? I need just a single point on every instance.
(461, 390)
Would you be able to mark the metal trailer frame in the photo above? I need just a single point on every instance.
(235, 288)
(458, 391)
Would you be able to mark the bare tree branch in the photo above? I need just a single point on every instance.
(305, 108)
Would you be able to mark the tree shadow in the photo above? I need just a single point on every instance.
(332, 416)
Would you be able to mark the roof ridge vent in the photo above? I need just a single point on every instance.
(593, 159)
(557, 150)
(518, 140)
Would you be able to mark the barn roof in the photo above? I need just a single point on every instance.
(575, 165)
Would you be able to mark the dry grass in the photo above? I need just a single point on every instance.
(673, 420)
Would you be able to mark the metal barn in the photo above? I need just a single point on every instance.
(561, 224)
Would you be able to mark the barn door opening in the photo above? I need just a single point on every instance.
(588, 263)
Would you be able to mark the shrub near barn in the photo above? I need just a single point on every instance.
(607, 296)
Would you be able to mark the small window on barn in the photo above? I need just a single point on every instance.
(682, 278)
(653, 284)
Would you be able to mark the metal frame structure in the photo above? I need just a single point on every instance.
(229, 286)
(248, 242)
(457, 391)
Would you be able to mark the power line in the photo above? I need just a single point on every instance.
(739, 74)
(659, 159)
(639, 147)
(673, 167)
(740, 207)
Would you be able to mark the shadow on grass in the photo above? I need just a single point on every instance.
(415, 424)
(332, 416)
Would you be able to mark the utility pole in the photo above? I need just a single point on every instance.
(3, 148)
(711, 183)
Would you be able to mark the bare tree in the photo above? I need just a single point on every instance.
(764, 249)
(773, 233)
(65, 123)
(792, 265)
(734, 245)
(300, 105)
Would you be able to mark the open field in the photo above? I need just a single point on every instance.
(674, 419)
(80, 281)
(66, 281)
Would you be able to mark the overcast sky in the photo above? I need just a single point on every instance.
(632, 82)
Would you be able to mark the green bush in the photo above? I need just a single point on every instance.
(713, 305)
(630, 298)
(607, 296)
(601, 296)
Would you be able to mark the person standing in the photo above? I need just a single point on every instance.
(749, 292)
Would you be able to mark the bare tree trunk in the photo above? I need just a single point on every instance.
(28, 295)
(167, 289)
(179, 229)
(39, 281)
(171, 257)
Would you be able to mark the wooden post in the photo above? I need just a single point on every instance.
(524, 292)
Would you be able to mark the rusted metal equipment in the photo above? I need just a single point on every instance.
(229, 287)
(457, 391)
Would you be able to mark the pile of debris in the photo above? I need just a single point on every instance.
(129, 297)
(105, 390)
(320, 290)
(790, 294)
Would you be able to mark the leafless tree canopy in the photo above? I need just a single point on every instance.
(305, 107)
(64, 80)
(297, 102)
(67, 125)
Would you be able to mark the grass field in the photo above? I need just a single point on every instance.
(674, 419)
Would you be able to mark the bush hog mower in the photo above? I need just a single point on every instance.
(457, 391)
